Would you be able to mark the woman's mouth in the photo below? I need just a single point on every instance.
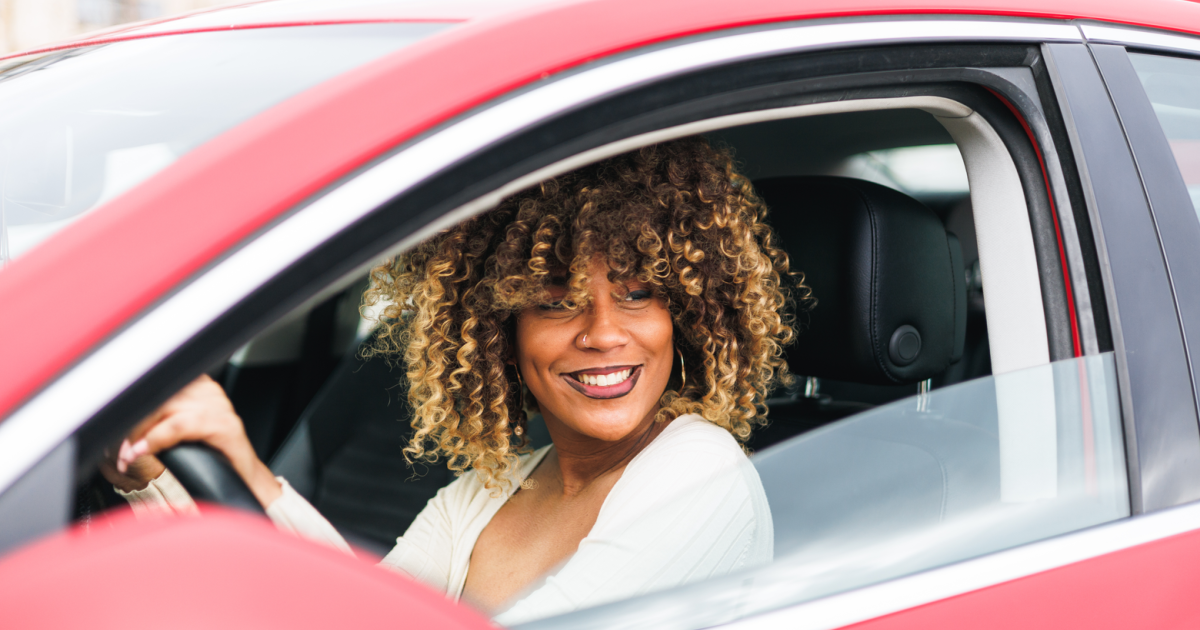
(610, 382)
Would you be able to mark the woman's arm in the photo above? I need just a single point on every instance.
(290, 512)
(425, 551)
(200, 412)
(295, 515)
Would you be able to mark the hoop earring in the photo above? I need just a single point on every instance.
(682, 371)
(519, 430)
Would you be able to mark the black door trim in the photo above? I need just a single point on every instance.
(1157, 400)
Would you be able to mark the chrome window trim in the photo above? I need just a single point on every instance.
(1140, 37)
(53, 414)
(935, 585)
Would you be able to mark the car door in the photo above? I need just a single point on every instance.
(1027, 150)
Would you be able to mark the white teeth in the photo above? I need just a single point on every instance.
(604, 380)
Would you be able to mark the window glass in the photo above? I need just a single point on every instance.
(81, 126)
(1173, 85)
(923, 482)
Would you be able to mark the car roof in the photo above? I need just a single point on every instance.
(1171, 14)
(1161, 14)
(182, 219)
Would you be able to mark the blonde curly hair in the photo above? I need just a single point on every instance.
(676, 216)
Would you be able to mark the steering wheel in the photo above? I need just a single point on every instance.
(208, 476)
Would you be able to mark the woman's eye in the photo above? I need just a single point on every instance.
(638, 297)
(559, 305)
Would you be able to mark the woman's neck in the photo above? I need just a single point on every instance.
(581, 460)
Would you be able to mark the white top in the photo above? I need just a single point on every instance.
(688, 507)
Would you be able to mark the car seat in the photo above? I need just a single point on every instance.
(890, 292)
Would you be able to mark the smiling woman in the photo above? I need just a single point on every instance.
(640, 306)
(675, 220)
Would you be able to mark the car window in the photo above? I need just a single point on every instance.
(919, 483)
(1173, 85)
(79, 127)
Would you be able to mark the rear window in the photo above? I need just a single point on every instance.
(81, 126)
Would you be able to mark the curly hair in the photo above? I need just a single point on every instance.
(676, 216)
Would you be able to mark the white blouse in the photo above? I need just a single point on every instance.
(687, 507)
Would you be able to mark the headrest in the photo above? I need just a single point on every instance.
(888, 279)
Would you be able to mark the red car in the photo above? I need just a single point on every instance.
(997, 424)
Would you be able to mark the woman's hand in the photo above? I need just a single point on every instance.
(200, 412)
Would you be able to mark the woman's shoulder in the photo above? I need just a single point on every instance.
(692, 441)
(692, 431)
(692, 465)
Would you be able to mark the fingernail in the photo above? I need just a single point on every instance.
(140, 448)
(123, 452)
(121, 466)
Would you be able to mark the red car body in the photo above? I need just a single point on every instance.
(144, 244)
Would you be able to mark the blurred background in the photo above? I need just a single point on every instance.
(28, 23)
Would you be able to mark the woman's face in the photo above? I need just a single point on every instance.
(599, 371)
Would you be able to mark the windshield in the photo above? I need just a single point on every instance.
(79, 127)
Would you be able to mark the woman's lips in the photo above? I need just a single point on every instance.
(604, 391)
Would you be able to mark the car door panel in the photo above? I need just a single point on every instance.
(1141, 587)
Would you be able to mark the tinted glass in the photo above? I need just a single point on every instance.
(1173, 86)
(926, 481)
(81, 126)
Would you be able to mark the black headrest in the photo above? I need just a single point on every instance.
(888, 279)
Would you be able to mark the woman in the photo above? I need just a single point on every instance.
(638, 305)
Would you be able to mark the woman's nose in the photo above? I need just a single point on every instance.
(602, 329)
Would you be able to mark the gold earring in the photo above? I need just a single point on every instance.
(518, 431)
(526, 484)
(682, 371)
